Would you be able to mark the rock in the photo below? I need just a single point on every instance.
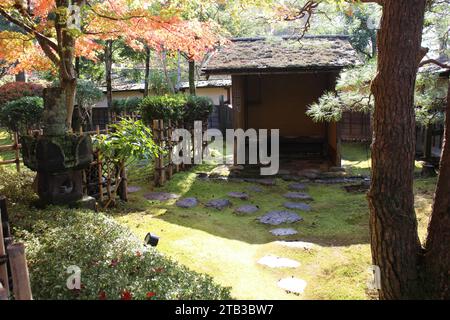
(246, 209)
(297, 244)
(310, 173)
(290, 177)
(297, 186)
(264, 182)
(202, 175)
(283, 232)
(297, 206)
(298, 196)
(236, 180)
(218, 204)
(237, 167)
(279, 217)
(187, 203)
(255, 189)
(238, 195)
(277, 262)
(293, 285)
(220, 171)
(85, 203)
(338, 174)
(160, 196)
(133, 189)
(283, 172)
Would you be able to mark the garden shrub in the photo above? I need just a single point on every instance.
(176, 107)
(126, 105)
(166, 107)
(16, 90)
(18, 115)
(113, 262)
(15, 186)
(198, 108)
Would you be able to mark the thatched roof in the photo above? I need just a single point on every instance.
(262, 55)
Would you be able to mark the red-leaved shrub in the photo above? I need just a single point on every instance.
(16, 90)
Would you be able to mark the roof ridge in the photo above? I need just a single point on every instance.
(290, 37)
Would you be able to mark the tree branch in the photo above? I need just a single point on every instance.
(433, 61)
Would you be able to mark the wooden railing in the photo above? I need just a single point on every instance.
(12, 147)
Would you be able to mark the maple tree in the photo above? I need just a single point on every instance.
(50, 37)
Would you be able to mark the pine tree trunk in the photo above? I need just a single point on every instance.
(192, 89)
(437, 254)
(147, 72)
(395, 244)
(108, 71)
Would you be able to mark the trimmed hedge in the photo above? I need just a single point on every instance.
(176, 108)
(23, 113)
(114, 264)
(120, 106)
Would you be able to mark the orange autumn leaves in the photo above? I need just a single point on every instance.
(132, 21)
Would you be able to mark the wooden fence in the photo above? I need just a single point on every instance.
(14, 277)
(12, 147)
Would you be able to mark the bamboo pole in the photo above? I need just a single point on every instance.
(16, 151)
(19, 271)
(169, 149)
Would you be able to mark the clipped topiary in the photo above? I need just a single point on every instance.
(22, 114)
(197, 108)
(166, 107)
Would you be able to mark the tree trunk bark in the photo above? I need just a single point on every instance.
(166, 72)
(108, 71)
(192, 89)
(437, 251)
(147, 72)
(21, 77)
(395, 244)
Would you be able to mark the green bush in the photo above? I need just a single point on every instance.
(126, 105)
(114, 264)
(16, 187)
(16, 90)
(197, 108)
(167, 107)
(18, 115)
(176, 108)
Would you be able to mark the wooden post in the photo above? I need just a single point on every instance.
(3, 262)
(19, 271)
(169, 150)
(159, 163)
(16, 150)
(123, 182)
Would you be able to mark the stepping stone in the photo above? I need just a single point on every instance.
(297, 186)
(133, 189)
(264, 182)
(298, 196)
(246, 209)
(218, 204)
(290, 177)
(283, 232)
(297, 244)
(160, 196)
(297, 206)
(187, 203)
(255, 189)
(239, 195)
(293, 285)
(277, 262)
(279, 217)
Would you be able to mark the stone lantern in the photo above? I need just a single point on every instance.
(58, 156)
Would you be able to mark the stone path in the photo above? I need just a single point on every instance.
(297, 186)
(246, 209)
(187, 203)
(293, 285)
(298, 196)
(255, 189)
(280, 217)
(297, 244)
(277, 262)
(281, 232)
(133, 189)
(160, 196)
(218, 204)
(239, 195)
(297, 206)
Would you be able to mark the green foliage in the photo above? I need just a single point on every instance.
(16, 187)
(166, 107)
(126, 105)
(129, 140)
(430, 99)
(88, 94)
(18, 115)
(198, 108)
(114, 263)
(16, 90)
